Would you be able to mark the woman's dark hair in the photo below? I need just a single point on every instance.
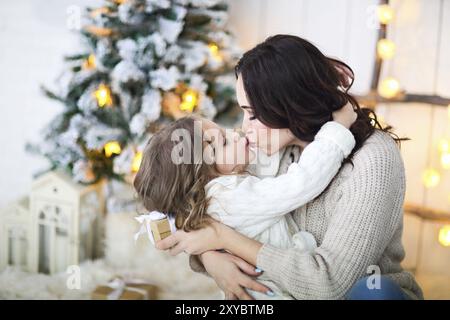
(291, 84)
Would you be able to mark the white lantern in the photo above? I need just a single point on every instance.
(15, 234)
(66, 222)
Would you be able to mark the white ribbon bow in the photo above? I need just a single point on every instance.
(119, 285)
(145, 220)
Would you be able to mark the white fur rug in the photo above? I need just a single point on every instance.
(122, 257)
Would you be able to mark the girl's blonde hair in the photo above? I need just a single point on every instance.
(171, 188)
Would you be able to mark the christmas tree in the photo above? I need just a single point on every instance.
(143, 64)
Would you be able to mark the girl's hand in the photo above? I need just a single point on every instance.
(345, 116)
(232, 274)
(193, 242)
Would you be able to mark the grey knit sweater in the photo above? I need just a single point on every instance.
(357, 223)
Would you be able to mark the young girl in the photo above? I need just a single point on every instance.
(193, 184)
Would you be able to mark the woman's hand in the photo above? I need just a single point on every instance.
(345, 116)
(193, 242)
(232, 274)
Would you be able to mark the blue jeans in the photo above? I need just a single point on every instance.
(388, 290)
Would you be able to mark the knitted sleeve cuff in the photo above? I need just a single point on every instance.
(268, 257)
(338, 134)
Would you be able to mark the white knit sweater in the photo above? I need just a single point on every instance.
(357, 222)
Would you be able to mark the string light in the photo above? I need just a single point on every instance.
(89, 63)
(136, 163)
(385, 49)
(189, 100)
(444, 236)
(431, 178)
(214, 49)
(103, 96)
(385, 13)
(112, 147)
(389, 88)
(445, 161)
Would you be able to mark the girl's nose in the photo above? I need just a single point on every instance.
(236, 136)
(240, 132)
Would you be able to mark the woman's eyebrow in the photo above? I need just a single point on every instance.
(245, 107)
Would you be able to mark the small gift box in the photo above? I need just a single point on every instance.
(160, 229)
(157, 226)
(121, 289)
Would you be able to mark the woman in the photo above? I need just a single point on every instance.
(287, 87)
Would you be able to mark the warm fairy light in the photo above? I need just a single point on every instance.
(99, 11)
(444, 145)
(135, 165)
(214, 49)
(444, 236)
(445, 160)
(112, 147)
(448, 111)
(385, 49)
(103, 96)
(89, 63)
(189, 102)
(385, 13)
(431, 178)
(389, 88)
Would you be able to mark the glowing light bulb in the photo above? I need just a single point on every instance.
(112, 147)
(214, 49)
(444, 236)
(444, 145)
(136, 164)
(431, 178)
(389, 88)
(385, 13)
(103, 96)
(445, 161)
(385, 49)
(189, 100)
(89, 63)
